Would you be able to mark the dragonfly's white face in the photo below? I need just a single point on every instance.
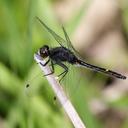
(44, 51)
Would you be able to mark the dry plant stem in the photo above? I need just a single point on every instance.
(63, 99)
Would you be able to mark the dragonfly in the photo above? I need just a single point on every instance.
(60, 55)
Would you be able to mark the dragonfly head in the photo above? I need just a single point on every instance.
(44, 51)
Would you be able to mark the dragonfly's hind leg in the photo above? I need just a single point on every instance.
(63, 74)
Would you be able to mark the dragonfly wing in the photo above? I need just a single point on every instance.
(70, 44)
(60, 40)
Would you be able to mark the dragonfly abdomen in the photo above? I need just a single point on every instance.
(102, 70)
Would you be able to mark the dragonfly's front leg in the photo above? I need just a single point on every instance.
(52, 65)
(45, 62)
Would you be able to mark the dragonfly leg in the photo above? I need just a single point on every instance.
(52, 64)
(63, 74)
(45, 63)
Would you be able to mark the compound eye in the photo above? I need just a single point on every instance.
(43, 52)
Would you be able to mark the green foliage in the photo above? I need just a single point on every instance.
(20, 36)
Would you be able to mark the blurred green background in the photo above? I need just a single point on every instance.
(101, 101)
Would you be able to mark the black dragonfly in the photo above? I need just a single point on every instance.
(61, 54)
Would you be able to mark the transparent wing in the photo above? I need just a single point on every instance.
(69, 44)
(60, 40)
